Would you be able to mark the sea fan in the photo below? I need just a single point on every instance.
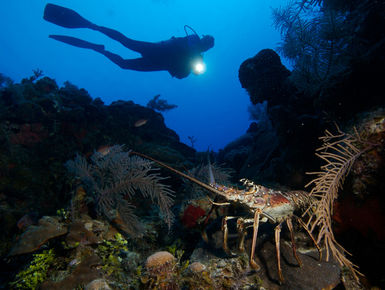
(114, 177)
(339, 152)
(315, 40)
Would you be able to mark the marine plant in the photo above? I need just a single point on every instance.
(109, 251)
(315, 40)
(114, 177)
(176, 250)
(36, 272)
(325, 39)
(339, 152)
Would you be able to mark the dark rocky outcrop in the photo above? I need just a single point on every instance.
(265, 78)
(280, 148)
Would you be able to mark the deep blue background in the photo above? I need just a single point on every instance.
(211, 107)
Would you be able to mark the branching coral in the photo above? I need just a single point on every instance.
(339, 152)
(113, 177)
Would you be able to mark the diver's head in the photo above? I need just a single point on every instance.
(207, 42)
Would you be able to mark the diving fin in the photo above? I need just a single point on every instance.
(77, 42)
(65, 17)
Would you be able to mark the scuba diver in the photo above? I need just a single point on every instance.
(178, 55)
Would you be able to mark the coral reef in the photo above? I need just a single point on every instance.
(42, 126)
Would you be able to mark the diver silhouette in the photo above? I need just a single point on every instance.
(177, 55)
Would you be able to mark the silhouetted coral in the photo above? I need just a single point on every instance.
(5, 81)
(160, 105)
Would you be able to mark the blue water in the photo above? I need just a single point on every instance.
(211, 107)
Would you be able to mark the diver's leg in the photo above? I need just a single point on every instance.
(77, 42)
(71, 19)
(139, 46)
(138, 64)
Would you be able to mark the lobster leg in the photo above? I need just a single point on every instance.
(311, 236)
(277, 248)
(290, 226)
(253, 264)
(205, 222)
(242, 232)
(225, 233)
(214, 205)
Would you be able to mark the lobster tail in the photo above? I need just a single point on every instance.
(300, 198)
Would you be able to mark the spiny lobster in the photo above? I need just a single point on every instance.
(263, 204)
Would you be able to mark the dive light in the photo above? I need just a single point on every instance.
(199, 66)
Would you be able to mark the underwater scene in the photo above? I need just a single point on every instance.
(165, 144)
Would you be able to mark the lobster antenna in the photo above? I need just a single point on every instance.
(211, 174)
(192, 179)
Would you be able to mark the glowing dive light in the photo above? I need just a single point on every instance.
(199, 67)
